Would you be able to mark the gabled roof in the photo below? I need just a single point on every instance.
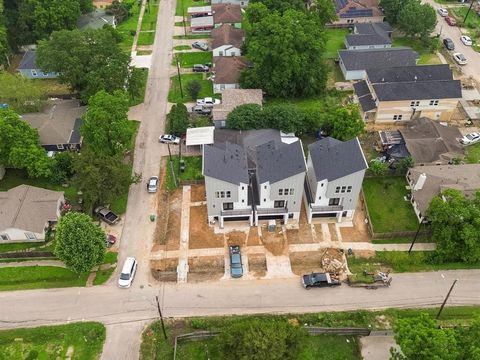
(370, 34)
(227, 162)
(365, 97)
(370, 39)
(231, 98)
(333, 159)
(228, 68)
(373, 28)
(226, 13)
(29, 61)
(374, 58)
(415, 73)
(59, 123)
(28, 208)
(357, 8)
(448, 89)
(226, 34)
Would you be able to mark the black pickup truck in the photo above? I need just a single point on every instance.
(319, 280)
(106, 215)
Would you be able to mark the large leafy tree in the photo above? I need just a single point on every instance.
(455, 225)
(20, 148)
(468, 340)
(88, 61)
(282, 5)
(178, 120)
(286, 55)
(325, 11)
(261, 339)
(392, 9)
(344, 123)
(106, 129)
(417, 19)
(4, 47)
(80, 243)
(284, 117)
(244, 117)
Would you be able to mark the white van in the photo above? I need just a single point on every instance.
(128, 272)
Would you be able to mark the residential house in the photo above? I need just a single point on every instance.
(231, 98)
(26, 212)
(28, 67)
(227, 72)
(426, 141)
(227, 41)
(354, 63)
(101, 4)
(402, 93)
(199, 11)
(357, 11)
(370, 36)
(427, 182)
(96, 19)
(335, 171)
(227, 14)
(202, 24)
(58, 125)
(243, 3)
(253, 175)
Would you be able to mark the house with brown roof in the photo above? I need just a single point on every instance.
(227, 14)
(58, 125)
(227, 40)
(231, 98)
(427, 182)
(357, 11)
(227, 71)
(243, 3)
(26, 212)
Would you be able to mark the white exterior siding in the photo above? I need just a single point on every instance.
(20, 235)
(242, 3)
(218, 88)
(367, 47)
(227, 50)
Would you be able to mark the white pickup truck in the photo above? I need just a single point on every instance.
(208, 102)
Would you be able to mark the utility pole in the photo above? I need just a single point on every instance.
(161, 318)
(184, 22)
(415, 238)
(468, 12)
(179, 77)
(446, 298)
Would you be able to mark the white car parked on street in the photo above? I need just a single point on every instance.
(466, 40)
(128, 272)
(460, 58)
(471, 138)
(443, 12)
(169, 139)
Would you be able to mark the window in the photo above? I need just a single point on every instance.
(321, 185)
(30, 236)
(60, 146)
(229, 194)
(334, 201)
(228, 206)
(264, 200)
(222, 194)
(414, 103)
(217, 194)
(435, 103)
(343, 189)
(265, 187)
(285, 191)
(291, 191)
(243, 187)
(4, 237)
(220, 53)
(243, 200)
(337, 189)
(280, 191)
(44, 73)
(319, 198)
(34, 73)
(279, 204)
(349, 189)
(397, 117)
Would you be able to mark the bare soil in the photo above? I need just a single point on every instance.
(206, 268)
(318, 231)
(253, 238)
(364, 253)
(174, 220)
(257, 264)
(165, 269)
(201, 234)
(198, 193)
(275, 242)
(160, 236)
(333, 232)
(302, 235)
(313, 261)
(359, 231)
(236, 238)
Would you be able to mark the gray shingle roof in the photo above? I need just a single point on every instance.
(445, 89)
(370, 39)
(333, 159)
(410, 73)
(29, 61)
(361, 88)
(364, 96)
(368, 59)
(373, 28)
(228, 163)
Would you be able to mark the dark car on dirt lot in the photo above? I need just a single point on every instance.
(236, 267)
(106, 215)
(319, 280)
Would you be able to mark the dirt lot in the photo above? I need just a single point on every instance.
(302, 235)
(197, 193)
(165, 269)
(236, 238)
(172, 235)
(257, 265)
(201, 234)
(315, 261)
(206, 268)
(253, 238)
(333, 232)
(357, 233)
(275, 242)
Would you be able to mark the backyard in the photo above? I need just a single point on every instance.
(188, 59)
(334, 41)
(388, 210)
(193, 170)
(427, 57)
(128, 27)
(183, 5)
(80, 340)
(472, 154)
(174, 94)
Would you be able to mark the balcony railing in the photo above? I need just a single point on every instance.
(271, 211)
(327, 208)
(242, 212)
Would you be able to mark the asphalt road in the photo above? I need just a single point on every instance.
(453, 32)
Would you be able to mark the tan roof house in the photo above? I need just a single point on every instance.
(231, 98)
(426, 182)
(27, 211)
(227, 71)
(227, 41)
(227, 14)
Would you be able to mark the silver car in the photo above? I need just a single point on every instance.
(152, 185)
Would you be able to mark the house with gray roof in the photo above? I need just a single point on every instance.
(370, 36)
(28, 67)
(96, 19)
(253, 175)
(354, 63)
(403, 93)
(335, 171)
(26, 212)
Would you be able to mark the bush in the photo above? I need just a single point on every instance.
(178, 120)
(62, 167)
(193, 88)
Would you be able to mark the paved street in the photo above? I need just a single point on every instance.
(454, 33)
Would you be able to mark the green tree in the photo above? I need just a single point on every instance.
(455, 227)
(20, 147)
(101, 178)
(136, 84)
(325, 11)
(286, 55)
(260, 339)
(193, 88)
(86, 6)
(344, 123)
(178, 120)
(468, 340)
(80, 243)
(392, 9)
(417, 19)
(284, 117)
(106, 129)
(244, 117)
(377, 167)
(62, 169)
(4, 47)
(420, 339)
(20, 93)
(281, 5)
(88, 61)
(405, 164)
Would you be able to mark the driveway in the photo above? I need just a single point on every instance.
(454, 33)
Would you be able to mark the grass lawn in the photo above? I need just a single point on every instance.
(314, 103)
(146, 38)
(19, 246)
(185, 4)
(193, 170)
(139, 99)
(102, 276)
(472, 153)
(407, 240)
(51, 87)
(426, 56)
(52, 342)
(149, 21)
(127, 29)
(188, 59)
(39, 277)
(174, 93)
(334, 75)
(388, 210)
(473, 21)
(334, 42)
(110, 257)
(182, 47)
